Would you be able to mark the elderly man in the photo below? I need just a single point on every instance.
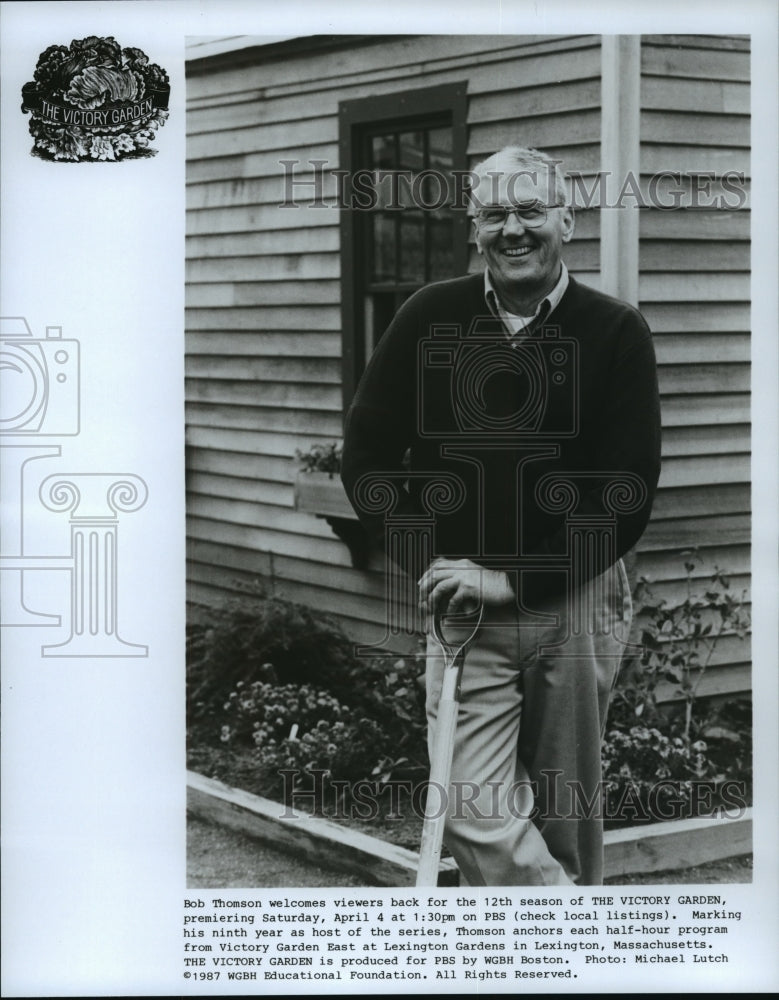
(535, 396)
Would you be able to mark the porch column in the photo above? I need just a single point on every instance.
(620, 157)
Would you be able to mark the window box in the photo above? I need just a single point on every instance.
(323, 495)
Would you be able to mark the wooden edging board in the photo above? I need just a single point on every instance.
(331, 845)
(676, 844)
(658, 847)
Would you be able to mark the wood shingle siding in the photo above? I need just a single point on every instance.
(694, 289)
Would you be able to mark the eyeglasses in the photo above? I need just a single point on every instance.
(530, 216)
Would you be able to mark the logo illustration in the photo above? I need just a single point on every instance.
(95, 101)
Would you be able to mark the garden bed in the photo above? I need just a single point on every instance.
(277, 701)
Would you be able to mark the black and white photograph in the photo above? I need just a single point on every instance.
(324, 192)
(389, 469)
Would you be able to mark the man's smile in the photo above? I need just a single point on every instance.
(516, 251)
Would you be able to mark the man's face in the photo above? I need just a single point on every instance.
(524, 263)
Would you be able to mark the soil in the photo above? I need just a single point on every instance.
(220, 858)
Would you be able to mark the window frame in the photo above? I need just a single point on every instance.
(356, 117)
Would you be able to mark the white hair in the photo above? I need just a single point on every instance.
(522, 160)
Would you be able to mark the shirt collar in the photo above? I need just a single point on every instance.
(523, 324)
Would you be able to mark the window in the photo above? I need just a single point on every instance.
(399, 231)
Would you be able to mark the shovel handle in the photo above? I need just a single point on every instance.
(437, 802)
(451, 651)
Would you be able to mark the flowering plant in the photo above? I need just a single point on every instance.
(321, 458)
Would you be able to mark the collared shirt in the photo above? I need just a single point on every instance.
(520, 326)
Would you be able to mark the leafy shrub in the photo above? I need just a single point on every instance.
(255, 714)
(393, 694)
(679, 641)
(299, 728)
(331, 752)
(655, 773)
(266, 639)
(727, 731)
(267, 729)
(691, 748)
(273, 685)
(649, 775)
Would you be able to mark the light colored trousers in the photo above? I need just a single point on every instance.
(524, 804)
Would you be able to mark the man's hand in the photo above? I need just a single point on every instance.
(460, 586)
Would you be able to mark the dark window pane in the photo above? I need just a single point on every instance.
(385, 184)
(434, 191)
(383, 150)
(412, 160)
(439, 188)
(412, 247)
(383, 246)
(440, 145)
(412, 151)
(405, 187)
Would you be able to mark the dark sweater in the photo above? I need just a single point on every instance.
(578, 399)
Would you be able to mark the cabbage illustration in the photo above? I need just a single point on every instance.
(93, 85)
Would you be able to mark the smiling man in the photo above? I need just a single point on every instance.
(533, 400)
(522, 222)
